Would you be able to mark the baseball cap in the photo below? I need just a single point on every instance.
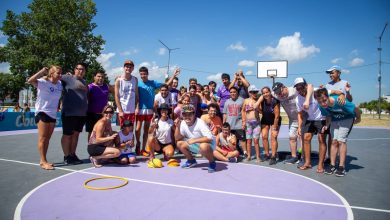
(277, 87)
(338, 68)
(128, 62)
(299, 80)
(127, 123)
(188, 108)
(252, 88)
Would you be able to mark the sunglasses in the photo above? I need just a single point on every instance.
(108, 112)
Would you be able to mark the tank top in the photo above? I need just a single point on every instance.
(127, 94)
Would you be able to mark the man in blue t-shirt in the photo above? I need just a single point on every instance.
(341, 119)
(146, 91)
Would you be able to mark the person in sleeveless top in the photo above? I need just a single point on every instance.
(126, 94)
(126, 143)
(49, 91)
(101, 144)
(226, 145)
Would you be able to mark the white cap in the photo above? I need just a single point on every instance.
(252, 88)
(299, 80)
(338, 68)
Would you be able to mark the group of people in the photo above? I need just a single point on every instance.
(218, 123)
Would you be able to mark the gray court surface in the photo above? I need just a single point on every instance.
(365, 187)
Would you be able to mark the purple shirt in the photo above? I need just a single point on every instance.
(224, 94)
(97, 97)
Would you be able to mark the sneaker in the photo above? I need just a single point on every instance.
(327, 161)
(272, 161)
(330, 170)
(340, 172)
(68, 160)
(75, 159)
(292, 160)
(301, 162)
(212, 167)
(233, 159)
(189, 164)
(266, 157)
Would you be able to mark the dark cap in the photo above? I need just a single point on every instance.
(128, 62)
(127, 123)
(277, 88)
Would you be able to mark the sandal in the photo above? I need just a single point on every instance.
(305, 167)
(46, 166)
(95, 162)
(320, 170)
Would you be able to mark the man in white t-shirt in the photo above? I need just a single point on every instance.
(193, 135)
(315, 124)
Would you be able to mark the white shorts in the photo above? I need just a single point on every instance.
(293, 129)
(341, 129)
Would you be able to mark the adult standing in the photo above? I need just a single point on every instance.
(232, 114)
(146, 89)
(223, 91)
(74, 111)
(314, 125)
(126, 94)
(49, 91)
(241, 84)
(98, 92)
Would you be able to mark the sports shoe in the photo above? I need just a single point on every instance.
(266, 157)
(68, 160)
(75, 159)
(330, 170)
(212, 166)
(327, 161)
(340, 171)
(292, 160)
(233, 159)
(272, 161)
(301, 162)
(189, 164)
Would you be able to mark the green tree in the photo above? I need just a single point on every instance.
(53, 32)
(9, 86)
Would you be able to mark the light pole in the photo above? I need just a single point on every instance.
(169, 56)
(380, 71)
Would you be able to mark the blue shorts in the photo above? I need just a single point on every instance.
(128, 155)
(194, 148)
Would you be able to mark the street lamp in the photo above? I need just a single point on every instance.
(380, 71)
(169, 56)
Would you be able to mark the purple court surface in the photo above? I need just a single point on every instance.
(234, 191)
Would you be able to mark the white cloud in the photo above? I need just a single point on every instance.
(356, 62)
(155, 72)
(246, 63)
(250, 72)
(129, 52)
(345, 71)
(2, 45)
(162, 51)
(237, 46)
(215, 77)
(4, 68)
(290, 48)
(104, 60)
(336, 60)
(354, 53)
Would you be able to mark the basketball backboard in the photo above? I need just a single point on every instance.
(272, 69)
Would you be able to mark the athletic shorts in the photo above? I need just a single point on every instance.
(72, 123)
(91, 120)
(226, 149)
(253, 129)
(341, 129)
(240, 134)
(313, 127)
(269, 121)
(293, 129)
(96, 149)
(130, 117)
(194, 148)
(41, 116)
(127, 155)
(144, 117)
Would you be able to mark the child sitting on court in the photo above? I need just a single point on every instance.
(226, 145)
(126, 143)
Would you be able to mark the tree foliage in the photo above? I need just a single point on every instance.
(53, 32)
(9, 86)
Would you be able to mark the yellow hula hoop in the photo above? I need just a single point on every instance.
(105, 188)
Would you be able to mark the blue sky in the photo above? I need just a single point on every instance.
(224, 36)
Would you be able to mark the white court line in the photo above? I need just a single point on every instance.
(345, 205)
